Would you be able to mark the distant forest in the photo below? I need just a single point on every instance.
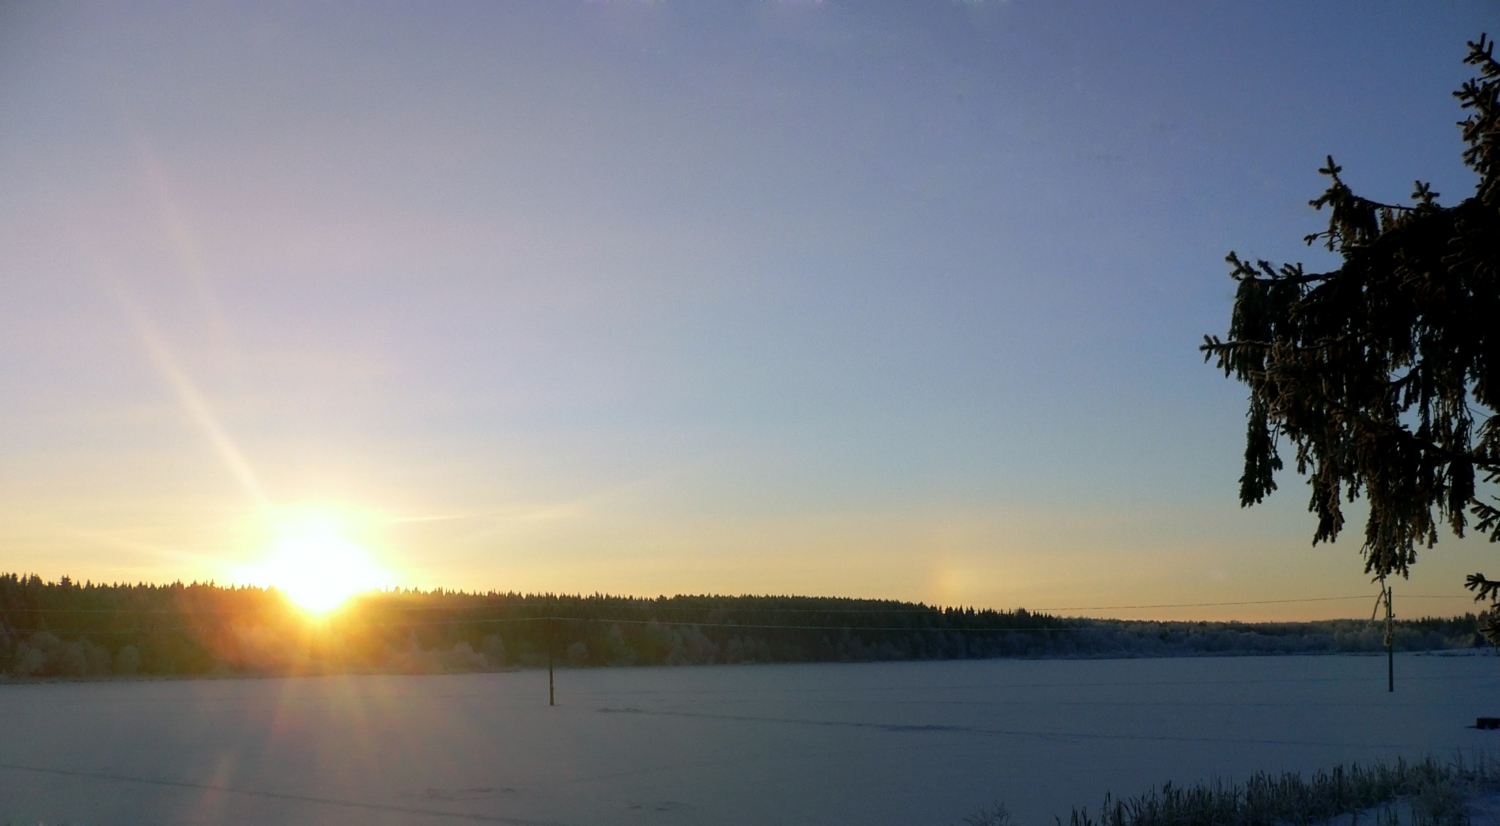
(68, 629)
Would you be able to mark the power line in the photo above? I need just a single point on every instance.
(1249, 602)
(1204, 604)
(934, 611)
(1101, 625)
(415, 608)
(617, 621)
(1434, 596)
(823, 627)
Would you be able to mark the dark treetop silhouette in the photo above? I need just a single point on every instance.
(1385, 373)
(68, 629)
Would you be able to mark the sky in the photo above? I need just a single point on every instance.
(876, 299)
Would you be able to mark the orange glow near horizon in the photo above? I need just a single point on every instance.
(316, 565)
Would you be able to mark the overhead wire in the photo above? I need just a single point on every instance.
(647, 604)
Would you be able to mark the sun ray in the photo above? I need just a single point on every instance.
(185, 390)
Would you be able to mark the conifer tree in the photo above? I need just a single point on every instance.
(1383, 375)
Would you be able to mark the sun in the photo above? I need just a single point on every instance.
(316, 566)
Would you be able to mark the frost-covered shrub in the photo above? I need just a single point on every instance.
(691, 647)
(734, 650)
(29, 660)
(463, 657)
(493, 649)
(578, 654)
(1427, 793)
(993, 815)
(99, 659)
(414, 660)
(128, 661)
(72, 661)
(613, 649)
(263, 649)
(44, 654)
(46, 641)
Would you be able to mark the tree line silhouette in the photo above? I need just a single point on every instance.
(71, 629)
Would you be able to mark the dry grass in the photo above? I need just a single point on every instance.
(1429, 792)
(1425, 793)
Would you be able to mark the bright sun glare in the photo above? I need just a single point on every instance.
(316, 566)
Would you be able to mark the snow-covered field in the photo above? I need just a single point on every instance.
(909, 743)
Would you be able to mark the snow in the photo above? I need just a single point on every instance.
(908, 743)
(1484, 810)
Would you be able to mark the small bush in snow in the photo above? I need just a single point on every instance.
(1425, 793)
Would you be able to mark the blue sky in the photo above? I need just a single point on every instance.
(872, 299)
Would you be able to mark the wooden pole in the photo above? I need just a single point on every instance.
(551, 690)
(1390, 643)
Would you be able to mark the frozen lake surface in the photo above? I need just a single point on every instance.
(912, 743)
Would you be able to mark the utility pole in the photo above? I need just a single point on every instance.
(1390, 643)
(1390, 634)
(551, 691)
